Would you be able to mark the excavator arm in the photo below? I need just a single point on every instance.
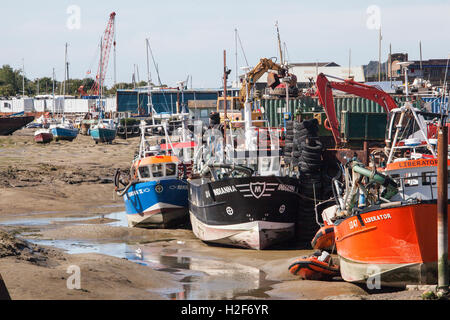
(325, 94)
(253, 76)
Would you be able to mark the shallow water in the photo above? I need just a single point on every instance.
(36, 221)
(200, 278)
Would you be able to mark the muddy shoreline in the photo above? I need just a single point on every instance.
(62, 194)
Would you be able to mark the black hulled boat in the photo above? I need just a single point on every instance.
(10, 124)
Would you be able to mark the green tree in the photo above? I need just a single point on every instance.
(12, 79)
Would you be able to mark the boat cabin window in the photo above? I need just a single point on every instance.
(411, 180)
(144, 172)
(171, 169)
(157, 171)
(429, 178)
(396, 177)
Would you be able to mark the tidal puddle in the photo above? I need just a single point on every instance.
(200, 278)
(120, 220)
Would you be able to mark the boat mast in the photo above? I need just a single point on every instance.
(236, 44)
(379, 55)
(225, 96)
(53, 84)
(64, 82)
(23, 78)
(279, 44)
(149, 78)
(101, 80)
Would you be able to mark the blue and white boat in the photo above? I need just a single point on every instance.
(157, 194)
(105, 131)
(64, 130)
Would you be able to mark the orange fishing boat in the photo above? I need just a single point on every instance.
(398, 239)
(385, 218)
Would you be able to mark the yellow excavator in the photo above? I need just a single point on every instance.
(236, 104)
(273, 79)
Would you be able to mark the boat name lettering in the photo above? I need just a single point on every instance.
(417, 163)
(224, 190)
(286, 187)
(377, 218)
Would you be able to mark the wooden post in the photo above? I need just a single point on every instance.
(442, 210)
(4, 294)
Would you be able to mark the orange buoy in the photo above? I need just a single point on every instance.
(319, 266)
(324, 239)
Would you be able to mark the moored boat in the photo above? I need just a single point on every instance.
(104, 131)
(64, 130)
(396, 240)
(43, 136)
(241, 197)
(385, 219)
(156, 195)
(10, 124)
(243, 209)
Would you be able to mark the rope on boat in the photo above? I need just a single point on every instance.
(118, 182)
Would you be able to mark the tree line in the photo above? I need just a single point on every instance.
(12, 84)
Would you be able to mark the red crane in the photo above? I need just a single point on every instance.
(325, 93)
(107, 42)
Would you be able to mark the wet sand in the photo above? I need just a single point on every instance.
(74, 181)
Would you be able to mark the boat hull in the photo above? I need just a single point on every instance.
(64, 134)
(43, 138)
(9, 125)
(157, 204)
(253, 213)
(399, 245)
(257, 235)
(103, 135)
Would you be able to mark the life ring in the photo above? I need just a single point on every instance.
(327, 125)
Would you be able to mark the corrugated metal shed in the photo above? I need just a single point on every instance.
(275, 108)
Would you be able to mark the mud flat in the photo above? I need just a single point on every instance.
(58, 210)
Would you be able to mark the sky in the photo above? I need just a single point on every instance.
(188, 37)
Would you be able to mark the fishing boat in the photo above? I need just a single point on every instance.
(12, 123)
(240, 197)
(65, 130)
(233, 205)
(156, 195)
(43, 136)
(385, 218)
(104, 131)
